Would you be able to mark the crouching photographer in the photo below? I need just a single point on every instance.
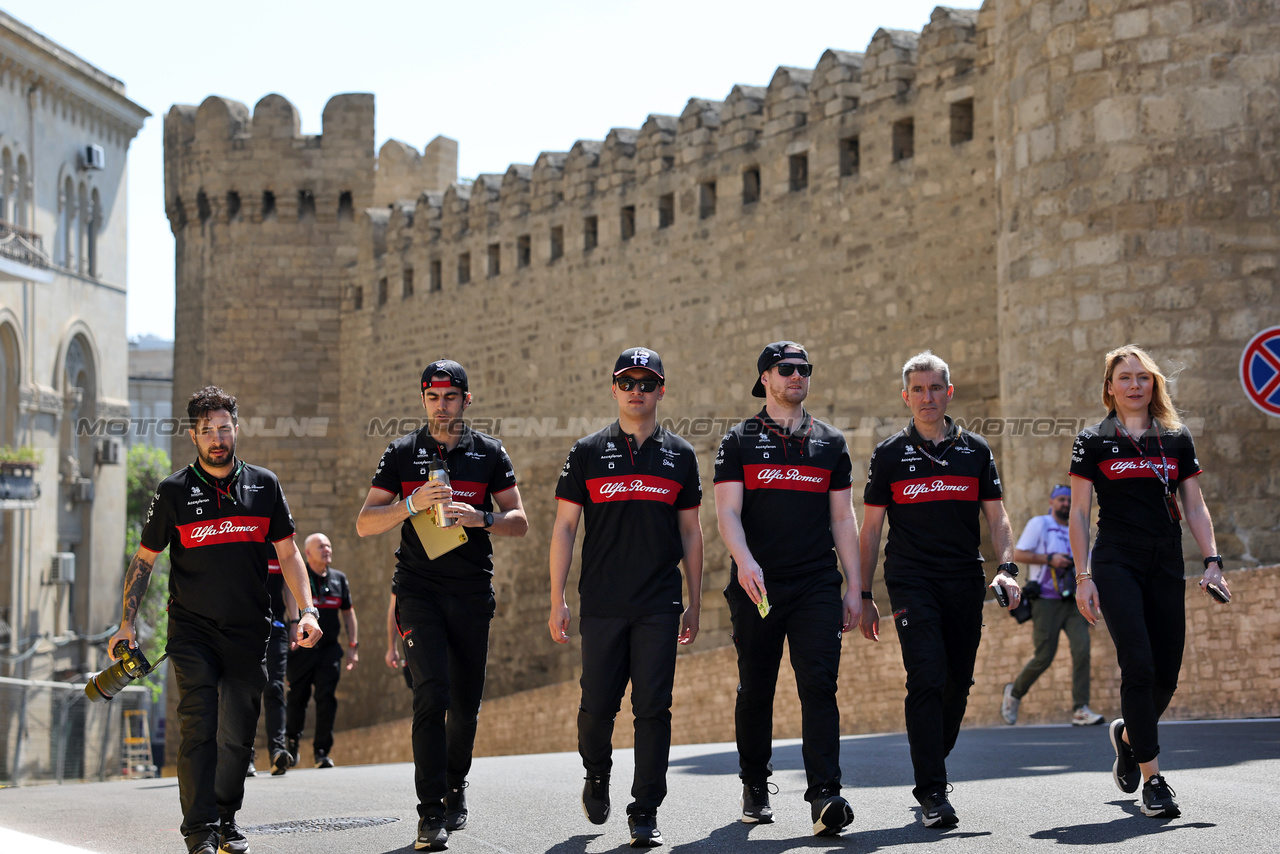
(1048, 600)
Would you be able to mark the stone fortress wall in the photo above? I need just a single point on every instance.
(1019, 189)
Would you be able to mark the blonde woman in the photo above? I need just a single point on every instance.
(1141, 462)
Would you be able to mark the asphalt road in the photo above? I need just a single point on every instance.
(1017, 789)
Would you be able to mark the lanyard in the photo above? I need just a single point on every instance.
(225, 493)
(938, 459)
(1163, 474)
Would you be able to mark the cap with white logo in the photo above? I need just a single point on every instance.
(639, 357)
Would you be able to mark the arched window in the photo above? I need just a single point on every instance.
(22, 195)
(6, 181)
(82, 230)
(95, 224)
(9, 380)
(68, 236)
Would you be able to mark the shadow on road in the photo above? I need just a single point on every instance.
(1119, 830)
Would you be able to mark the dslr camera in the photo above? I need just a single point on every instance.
(132, 665)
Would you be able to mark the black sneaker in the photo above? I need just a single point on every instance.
(291, 744)
(280, 763)
(323, 760)
(936, 810)
(755, 803)
(1157, 799)
(1124, 771)
(831, 813)
(231, 840)
(205, 848)
(644, 829)
(595, 799)
(432, 835)
(455, 807)
(250, 771)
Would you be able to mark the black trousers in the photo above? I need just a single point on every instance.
(939, 623)
(807, 612)
(273, 696)
(1143, 598)
(220, 679)
(642, 650)
(446, 641)
(317, 669)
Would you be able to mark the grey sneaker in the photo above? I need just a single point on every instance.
(1009, 705)
(755, 803)
(1157, 799)
(644, 829)
(455, 807)
(1124, 771)
(432, 835)
(936, 810)
(1085, 716)
(830, 812)
(595, 799)
(323, 760)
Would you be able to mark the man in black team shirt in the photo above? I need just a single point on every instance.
(637, 487)
(443, 606)
(219, 518)
(931, 479)
(785, 508)
(320, 666)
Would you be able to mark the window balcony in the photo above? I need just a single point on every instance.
(22, 255)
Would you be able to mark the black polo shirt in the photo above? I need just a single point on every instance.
(220, 535)
(275, 589)
(478, 469)
(1123, 474)
(630, 499)
(786, 478)
(933, 508)
(331, 593)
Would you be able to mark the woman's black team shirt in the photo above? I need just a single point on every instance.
(786, 478)
(479, 468)
(630, 498)
(220, 536)
(1130, 496)
(933, 509)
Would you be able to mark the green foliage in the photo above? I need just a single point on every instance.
(21, 454)
(146, 467)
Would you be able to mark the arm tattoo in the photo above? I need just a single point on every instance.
(135, 586)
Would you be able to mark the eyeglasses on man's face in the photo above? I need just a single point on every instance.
(786, 369)
(645, 386)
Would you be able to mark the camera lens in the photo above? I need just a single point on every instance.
(108, 683)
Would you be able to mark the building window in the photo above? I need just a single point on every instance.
(382, 291)
(94, 224)
(495, 260)
(407, 279)
(798, 169)
(751, 185)
(6, 184)
(666, 210)
(706, 199)
(233, 206)
(464, 268)
(590, 233)
(849, 156)
(69, 224)
(345, 211)
(436, 274)
(203, 208)
(268, 205)
(357, 298)
(628, 222)
(557, 242)
(962, 121)
(306, 206)
(524, 250)
(904, 139)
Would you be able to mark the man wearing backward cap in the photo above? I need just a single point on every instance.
(1045, 545)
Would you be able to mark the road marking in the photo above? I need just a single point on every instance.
(12, 840)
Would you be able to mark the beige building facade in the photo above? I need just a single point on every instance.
(65, 129)
(1019, 188)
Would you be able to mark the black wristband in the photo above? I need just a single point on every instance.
(1010, 569)
(866, 594)
(1213, 559)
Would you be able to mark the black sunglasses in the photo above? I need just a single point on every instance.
(645, 386)
(787, 369)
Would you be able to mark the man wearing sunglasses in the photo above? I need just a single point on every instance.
(783, 488)
(636, 486)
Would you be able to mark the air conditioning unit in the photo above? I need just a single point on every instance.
(109, 452)
(94, 157)
(82, 490)
(62, 568)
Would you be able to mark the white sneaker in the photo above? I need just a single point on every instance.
(1085, 716)
(1009, 705)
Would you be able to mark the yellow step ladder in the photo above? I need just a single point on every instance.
(137, 744)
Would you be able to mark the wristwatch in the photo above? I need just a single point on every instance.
(488, 519)
(1010, 569)
(866, 594)
(315, 612)
(1213, 559)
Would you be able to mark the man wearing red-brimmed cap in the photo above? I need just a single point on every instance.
(785, 511)
(637, 487)
(443, 606)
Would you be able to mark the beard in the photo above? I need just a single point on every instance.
(1062, 516)
(213, 459)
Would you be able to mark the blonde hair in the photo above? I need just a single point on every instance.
(1161, 406)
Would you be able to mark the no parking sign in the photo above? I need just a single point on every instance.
(1260, 371)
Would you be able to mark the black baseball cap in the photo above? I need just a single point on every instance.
(772, 355)
(456, 373)
(639, 357)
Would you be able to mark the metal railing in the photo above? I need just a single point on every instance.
(25, 247)
(51, 733)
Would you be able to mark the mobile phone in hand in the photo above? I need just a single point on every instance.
(1217, 592)
(1002, 595)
